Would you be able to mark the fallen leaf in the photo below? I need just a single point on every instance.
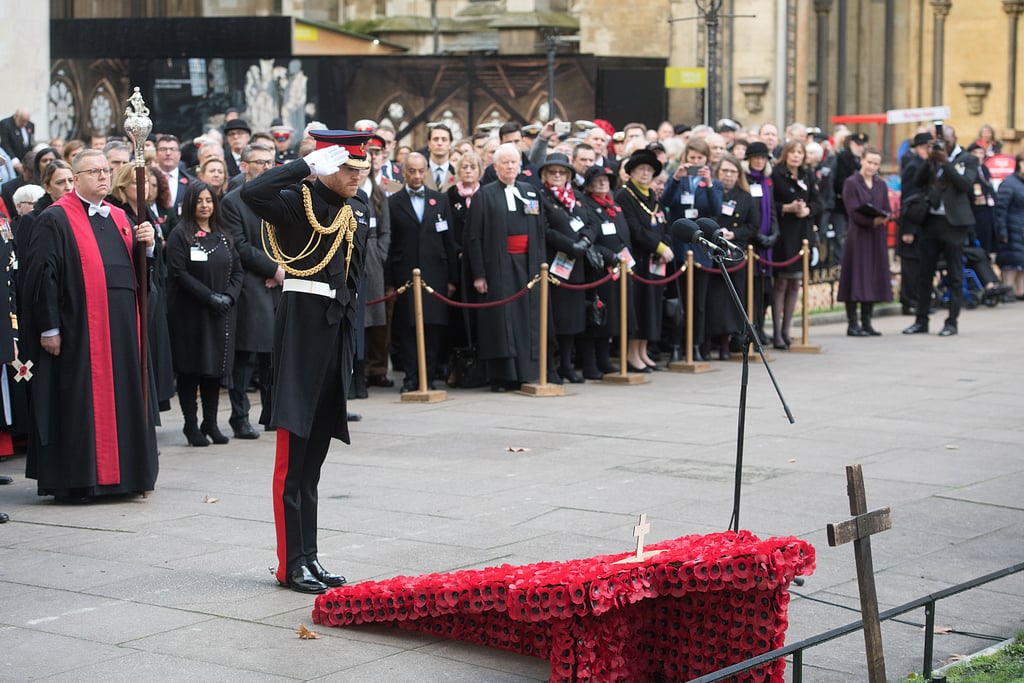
(517, 449)
(210, 499)
(952, 447)
(941, 630)
(305, 634)
(791, 460)
(953, 658)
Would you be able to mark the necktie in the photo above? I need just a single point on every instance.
(438, 177)
(101, 210)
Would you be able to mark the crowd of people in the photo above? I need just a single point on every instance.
(477, 217)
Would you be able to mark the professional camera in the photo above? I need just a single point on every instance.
(940, 140)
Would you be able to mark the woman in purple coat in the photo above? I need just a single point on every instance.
(865, 276)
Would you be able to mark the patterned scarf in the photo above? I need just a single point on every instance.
(466, 192)
(607, 203)
(565, 195)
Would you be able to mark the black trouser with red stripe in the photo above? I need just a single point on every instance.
(297, 474)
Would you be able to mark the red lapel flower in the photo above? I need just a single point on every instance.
(183, 181)
(527, 172)
(432, 201)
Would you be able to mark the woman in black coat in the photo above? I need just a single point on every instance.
(571, 232)
(796, 202)
(740, 219)
(204, 280)
(649, 234)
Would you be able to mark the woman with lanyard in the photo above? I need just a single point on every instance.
(692, 193)
(648, 231)
(613, 243)
(204, 280)
(740, 219)
(571, 233)
(468, 171)
(759, 173)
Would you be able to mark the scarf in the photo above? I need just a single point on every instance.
(766, 200)
(607, 203)
(565, 195)
(466, 192)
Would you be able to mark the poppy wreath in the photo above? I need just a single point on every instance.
(703, 603)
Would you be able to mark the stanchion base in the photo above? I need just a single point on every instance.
(754, 356)
(806, 348)
(431, 396)
(542, 389)
(694, 367)
(627, 378)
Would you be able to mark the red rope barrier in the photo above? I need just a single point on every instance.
(664, 281)
(392, 295)
(735, 269)
(590, 285)
(781, 264)
(487, 304)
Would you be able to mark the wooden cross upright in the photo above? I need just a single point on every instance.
(859, 530)
(639, 531)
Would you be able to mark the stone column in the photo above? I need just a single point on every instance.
(25, 41)
(822, 8)
(941, 9)
(1013, 8)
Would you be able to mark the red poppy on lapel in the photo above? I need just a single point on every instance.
(527, 172)
(432, 201)
(183, 181)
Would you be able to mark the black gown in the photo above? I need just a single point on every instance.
(647, 229)
(612, 237)
(568, 306)
(742, 215)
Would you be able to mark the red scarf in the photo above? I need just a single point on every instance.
(565, 195)
(607, 203)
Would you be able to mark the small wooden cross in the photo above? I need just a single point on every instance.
(859, 530)
(641, 529)
(22, 371)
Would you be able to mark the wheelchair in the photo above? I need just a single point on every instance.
(973, 289)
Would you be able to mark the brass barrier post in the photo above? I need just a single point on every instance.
(624, 376)
(689, 365)
(804, 346)
(423, 394)
(542, 388)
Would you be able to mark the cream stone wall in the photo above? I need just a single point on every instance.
(25, 41)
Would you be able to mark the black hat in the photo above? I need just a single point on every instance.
(354, 143)
(681, 128)
(921, 139)
(757, 149)
(237, 124)
(557, 159)
(655, 146)
(597, 171)
(643, 156)
(859, 138)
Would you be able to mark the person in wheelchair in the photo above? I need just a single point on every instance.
(976, 258)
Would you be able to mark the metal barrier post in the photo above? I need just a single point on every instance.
(624, 376)
(541, 387)
(689, 365)
(804, 346)
(929, 639)
(424, 394)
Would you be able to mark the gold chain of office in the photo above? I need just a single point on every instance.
(344, 218)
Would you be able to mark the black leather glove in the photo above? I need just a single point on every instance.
(220, 303)
(768, 241)
(594, 258)
(611, 259)
(579, 247)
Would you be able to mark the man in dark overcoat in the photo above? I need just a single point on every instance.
(319, 229)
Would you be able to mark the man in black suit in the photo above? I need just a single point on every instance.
(420, 238)
(168, 158)
(16, 134)
(261, 290)
(237, 134)
(948, 178)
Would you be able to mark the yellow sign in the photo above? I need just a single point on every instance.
(305, 33)
(685, 77)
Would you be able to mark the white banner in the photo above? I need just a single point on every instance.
(915, 115)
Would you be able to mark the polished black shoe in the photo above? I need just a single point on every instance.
(917, 328)
(592, 373)
(243, 430)
(303, 581)
(324, 576)
(633, 368)
(354, 417)
(211, 430)
(780, 345)
(379, 381)
(948, 330)
(569, 375)
(408, 387)
(852, 331)
(499, 387)
(872, 332)
(6, 480)
(3, 518)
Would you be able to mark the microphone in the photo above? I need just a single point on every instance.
(685, 230)
(714, 231)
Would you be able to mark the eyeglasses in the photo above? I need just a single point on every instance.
(96, 172)
(167, 150)
(265, 163)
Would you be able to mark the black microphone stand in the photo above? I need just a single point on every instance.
(749, 336)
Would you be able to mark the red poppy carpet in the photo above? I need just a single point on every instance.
(702, 603)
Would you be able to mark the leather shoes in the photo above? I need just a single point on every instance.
(354, 417)
(244, 430)
(852, 331)
(379, 381)
(6, 480)
(948, 330)
(569, 374)
(872, 332)
(324, 576)
(303, 581)
(3, 517)
(633, 368)
(917, 328)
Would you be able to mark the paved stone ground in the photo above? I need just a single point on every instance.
(178, 587)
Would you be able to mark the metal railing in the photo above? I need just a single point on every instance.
(797, 649)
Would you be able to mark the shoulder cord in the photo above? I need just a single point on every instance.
(344, 217)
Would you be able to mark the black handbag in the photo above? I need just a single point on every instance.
(597, 312)
(468, 371)
(672, 307)
(914, 209)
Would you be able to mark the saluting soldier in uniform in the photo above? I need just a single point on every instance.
(317, 230)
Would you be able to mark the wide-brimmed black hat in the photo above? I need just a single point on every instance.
(757, 149)
(557, 159)
(237, 124)
(643, 156)
(596, 171)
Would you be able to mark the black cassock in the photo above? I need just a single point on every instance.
(72, 437)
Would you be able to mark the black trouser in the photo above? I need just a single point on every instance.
(245, 363)
(938, 238)
(910, 278)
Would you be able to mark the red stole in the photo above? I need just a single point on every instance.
(101, 361)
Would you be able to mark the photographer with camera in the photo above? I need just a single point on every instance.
(947, 177)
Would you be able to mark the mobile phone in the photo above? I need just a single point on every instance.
(938, 130)
(693, 170)
(562, 127)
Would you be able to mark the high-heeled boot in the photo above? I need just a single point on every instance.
(209, 391)
(866, 309)
(853, 328)
(587, 356)
(187, 401)
(603, 351)
(359, 389)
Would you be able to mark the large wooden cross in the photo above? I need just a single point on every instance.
(859, 530)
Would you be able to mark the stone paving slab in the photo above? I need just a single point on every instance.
(177, 587)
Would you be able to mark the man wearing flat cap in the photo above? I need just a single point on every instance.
(318, 231)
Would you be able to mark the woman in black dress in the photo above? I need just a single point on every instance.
(649, 234)
(796, 203)
(204, 278)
